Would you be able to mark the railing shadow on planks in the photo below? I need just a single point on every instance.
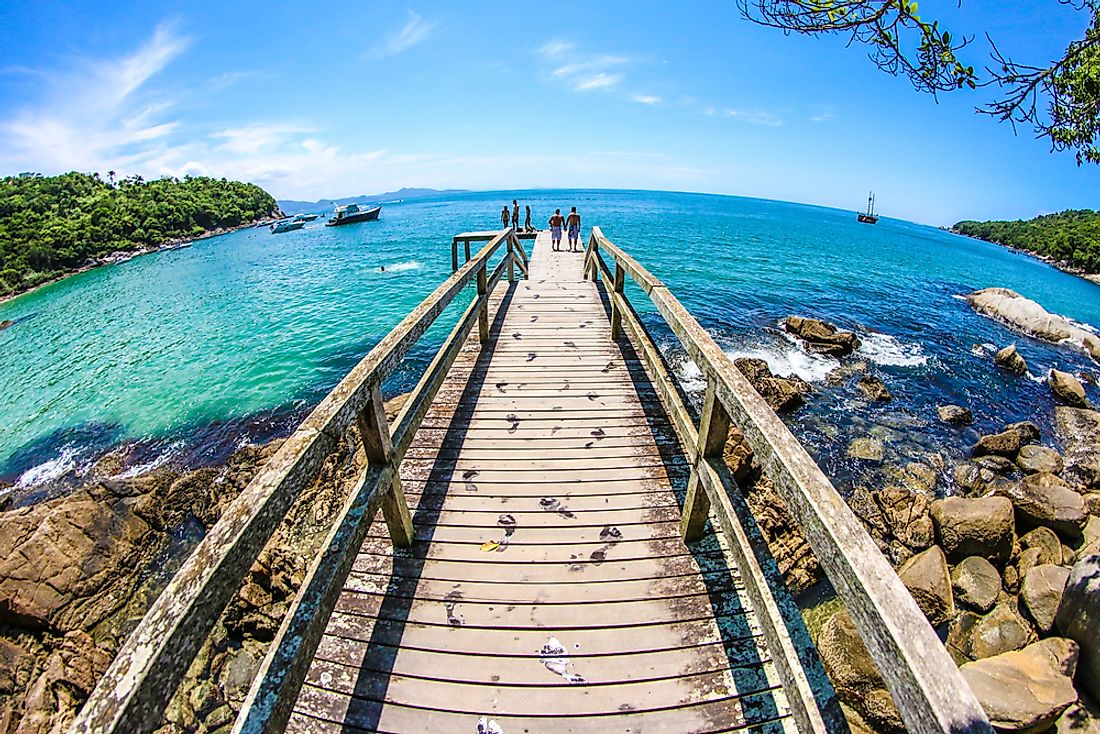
(926, 686)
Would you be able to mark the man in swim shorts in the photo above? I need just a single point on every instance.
(515, 215)
(573, 223)
(556, 222)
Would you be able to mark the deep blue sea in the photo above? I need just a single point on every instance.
(182, 356)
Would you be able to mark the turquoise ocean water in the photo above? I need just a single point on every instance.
(185, 355)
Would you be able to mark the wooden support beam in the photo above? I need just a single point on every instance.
(714, 426)
(511, 256)
(616, 312)
(375, 432)
(483, 312)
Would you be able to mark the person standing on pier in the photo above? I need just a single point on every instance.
(574, 226)
(556, 223)
(504, 218)
(527, 220)
(515, 215)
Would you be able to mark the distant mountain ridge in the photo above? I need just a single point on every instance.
(290, 206)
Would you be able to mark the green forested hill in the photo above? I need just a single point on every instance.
(52, 225)
(1072, 236)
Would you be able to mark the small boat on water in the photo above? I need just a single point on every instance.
(306, 217)
(868, 217)
(351, 213)
(287, 225)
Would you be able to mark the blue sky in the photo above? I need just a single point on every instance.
(361, 98)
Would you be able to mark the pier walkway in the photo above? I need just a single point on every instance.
(560, 546)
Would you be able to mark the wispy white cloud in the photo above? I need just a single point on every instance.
(413, 32)
(93, 112)
(256, 137)
(822, 117)
(648, 99)
(581, 72)
(754, 117)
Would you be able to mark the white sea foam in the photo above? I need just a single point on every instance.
(691, 377)
(160, 460)
(886, 350)
(49, 470)
(789, 358)
(405, 266)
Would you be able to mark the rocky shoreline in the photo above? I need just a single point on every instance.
(1005, 565)
(84, 568)
(124, 255)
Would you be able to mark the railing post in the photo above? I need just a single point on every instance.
(616, 311)
(467, 251)
(454, 254)
(511, 260)
(483, 312)
(375, 432)
(714, 426)
(590, 269)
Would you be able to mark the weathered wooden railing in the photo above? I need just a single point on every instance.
(468, 237)
(133, 693)
(925, 684)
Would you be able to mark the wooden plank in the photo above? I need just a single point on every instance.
(720, 715)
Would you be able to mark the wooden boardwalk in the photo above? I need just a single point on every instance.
(560, 547)
(549, 587)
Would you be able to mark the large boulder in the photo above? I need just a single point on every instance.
(874, 388)
(1010, 359)
(1006, 443)
(1079, 618)
(976, 583)
(854, 674)
(1000, 631)
(974, 527)
(929, 581)
(955, 414)
(1045, 500)
(1029, 317)
(1034, 459)
(821, 336)
(781, 393)
(71, 561)
(1025, 691)
(796, 560)
(1041, 593)
(1067, 388)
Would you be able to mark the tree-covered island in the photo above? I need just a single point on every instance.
(53, 225)
(1069, 239)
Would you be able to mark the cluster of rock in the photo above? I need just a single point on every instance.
(1008, 569)
(822, 337)
(83, 569)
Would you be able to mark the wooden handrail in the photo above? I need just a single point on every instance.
(929, 692)
(467, 237)
(137, 686)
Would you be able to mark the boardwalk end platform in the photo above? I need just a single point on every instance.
(545, 537)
